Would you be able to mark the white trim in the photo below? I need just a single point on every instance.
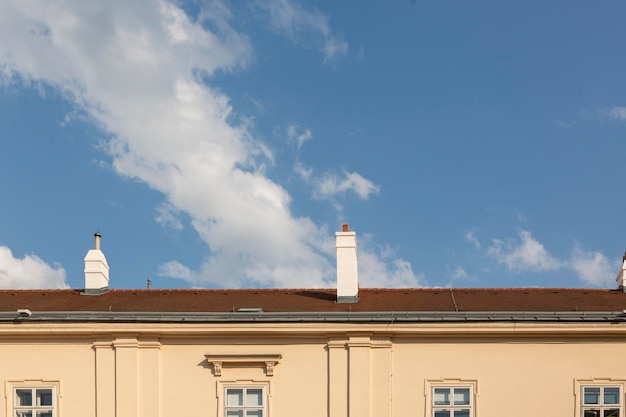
(221, 386)
(580, 383)
(432, 383)
(11, 385)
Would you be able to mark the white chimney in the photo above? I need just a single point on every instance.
(621, 275)
(96, 269)
(347, 270)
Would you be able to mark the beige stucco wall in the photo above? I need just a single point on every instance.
(334, 370)
(35, 361)
(511, 374)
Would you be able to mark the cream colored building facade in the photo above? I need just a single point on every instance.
(307, 353)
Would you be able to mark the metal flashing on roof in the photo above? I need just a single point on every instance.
(315, 317)
(347, 299)
(95, 291)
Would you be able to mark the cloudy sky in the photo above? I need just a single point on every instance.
(221, 144)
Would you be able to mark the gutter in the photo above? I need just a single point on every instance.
(314, 317)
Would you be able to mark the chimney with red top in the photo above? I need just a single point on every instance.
(347, 269)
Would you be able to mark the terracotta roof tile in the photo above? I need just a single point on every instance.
(318, 300)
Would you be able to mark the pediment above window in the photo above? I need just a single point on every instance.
(266, 361)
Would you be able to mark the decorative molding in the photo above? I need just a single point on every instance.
(579, 383)
(267, 361)
(452, 382)
(217, 368)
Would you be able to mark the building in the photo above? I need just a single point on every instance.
(351, 352)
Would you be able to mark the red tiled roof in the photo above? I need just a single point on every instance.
(318, 300)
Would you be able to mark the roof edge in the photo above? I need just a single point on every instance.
(313, 317)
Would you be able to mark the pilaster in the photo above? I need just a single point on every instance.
(359, 378)
(126, 376)
(105, 377)
(337, 377)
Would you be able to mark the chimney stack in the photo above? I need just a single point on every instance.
(347, 270)
(96, 270)
(621, 275)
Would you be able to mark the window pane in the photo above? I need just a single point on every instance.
(441, 396)
(611, 395)
(234, 397)
(442, 413)
(234, 413)
(592, 395)
(44, 397)
(614, 412)
(254, 413)
(23, 414)
(461, 396)
(462, 413)
(24, 397)
(44, 413)
(254, 397)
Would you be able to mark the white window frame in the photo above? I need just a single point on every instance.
(13, 407)
(223, 387)
(601, 383)
(450, 383)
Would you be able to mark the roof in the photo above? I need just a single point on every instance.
(275, 303)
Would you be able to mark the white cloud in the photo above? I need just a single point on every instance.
(593, 267)
(332, 184)
(618, 113)
(298, 136)
(459, 273)
(529, 255)
(175, 269)
(526, 255)
(302, 171)
(294, 21)
(168, 216)
(615, 113)
(471, 238)
(132, 70)
(29, 272)
(380, 267)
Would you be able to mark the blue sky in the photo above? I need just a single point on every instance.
(221, 144)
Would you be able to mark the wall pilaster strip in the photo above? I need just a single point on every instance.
(359, 383)
(337, 377)
(126, 376)
(105, 377)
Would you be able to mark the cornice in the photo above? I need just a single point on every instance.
(325, 331)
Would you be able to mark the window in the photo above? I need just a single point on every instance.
(601, 401)
(452, 401)
(34, 402)
(244, 402)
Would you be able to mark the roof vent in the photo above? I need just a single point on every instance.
(347, 268)
(96, 270)
(250, 310)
